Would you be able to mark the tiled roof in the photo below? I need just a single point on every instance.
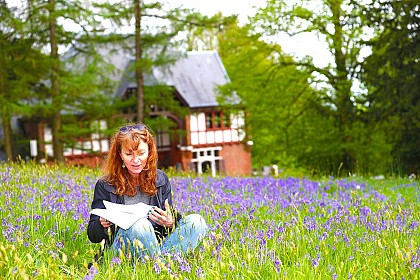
(195, 77)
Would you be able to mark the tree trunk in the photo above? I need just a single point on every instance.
(7, 137)
(5, 119)
(342, 87)
(139, 67)
(55, 86)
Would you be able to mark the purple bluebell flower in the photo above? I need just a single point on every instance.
(156, 268)
(199, 273)
(277, 264)
(115, 261)
(92, 272)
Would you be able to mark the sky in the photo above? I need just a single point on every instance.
(243, 8)
(297, 46)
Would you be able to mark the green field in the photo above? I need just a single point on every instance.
(260, 228)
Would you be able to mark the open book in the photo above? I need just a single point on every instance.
(123, 215)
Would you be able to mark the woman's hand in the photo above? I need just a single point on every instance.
(160, 217)
(104, 222)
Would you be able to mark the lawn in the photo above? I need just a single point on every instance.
(260, 228)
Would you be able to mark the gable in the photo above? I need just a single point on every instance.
(195, 78)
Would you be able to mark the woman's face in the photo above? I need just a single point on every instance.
(135, 161)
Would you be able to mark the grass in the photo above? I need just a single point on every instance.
(260, 228)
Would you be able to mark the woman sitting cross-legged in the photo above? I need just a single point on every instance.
(131, 176)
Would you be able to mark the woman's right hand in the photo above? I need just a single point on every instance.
(104, 222)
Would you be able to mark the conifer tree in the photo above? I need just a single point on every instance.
(21, 67)
(156, 40)
(57, 26)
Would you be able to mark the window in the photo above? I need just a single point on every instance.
(216, 120)
(226, 120)
(162, 140)
(209, 120)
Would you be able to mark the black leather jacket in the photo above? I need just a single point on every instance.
(104, 191)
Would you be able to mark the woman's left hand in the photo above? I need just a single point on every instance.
(160, 217)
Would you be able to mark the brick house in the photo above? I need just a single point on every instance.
(214, 140)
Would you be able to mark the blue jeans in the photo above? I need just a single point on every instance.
(140, 238)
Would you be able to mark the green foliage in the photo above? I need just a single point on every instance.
(304, 115)
(154, 42)
(57, 89)
(21, 67)
(335, 23)
(284, 123)
(392, 73)
(301, 115)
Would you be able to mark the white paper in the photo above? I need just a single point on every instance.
(123, 215)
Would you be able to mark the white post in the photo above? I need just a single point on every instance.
(33, 148)
(275, 169)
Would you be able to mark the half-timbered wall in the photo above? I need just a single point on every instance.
(97, 143)
(204, 132)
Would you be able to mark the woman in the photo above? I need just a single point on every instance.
(131, 176)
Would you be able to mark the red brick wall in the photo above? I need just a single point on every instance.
(237, 160)
(88, 160)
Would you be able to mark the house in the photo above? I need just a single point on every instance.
(214, 139)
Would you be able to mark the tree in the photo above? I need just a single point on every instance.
(392, 74)
(21, 67)
(48, 24)
(156, 37)
(282, 119)
(338, 24)
(204, 37)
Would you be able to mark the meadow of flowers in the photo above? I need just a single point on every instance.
(260, 228)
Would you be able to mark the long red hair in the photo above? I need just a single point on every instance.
(129, 137)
